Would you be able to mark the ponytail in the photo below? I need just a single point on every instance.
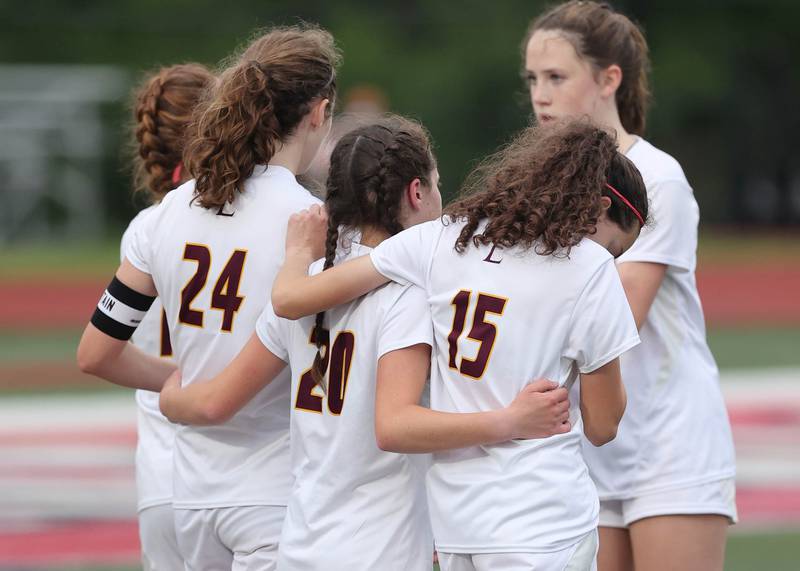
(258, 103)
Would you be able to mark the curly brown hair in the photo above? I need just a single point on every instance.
(371, 166)
(258, 102)
(162, 110)
(543, 190)
(605, 37)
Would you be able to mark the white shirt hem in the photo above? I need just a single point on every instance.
(188, 505)
(143, 505)
(611, 355)
(656, 259)
(668, 486)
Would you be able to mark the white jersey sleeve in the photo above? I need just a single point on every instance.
(406, 257)
(407, 322)
(273, 332)
(136, 245)
(602, 325)
(671, 236)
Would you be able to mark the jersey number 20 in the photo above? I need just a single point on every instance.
(484, 332)
(336, 360)
(225, 295)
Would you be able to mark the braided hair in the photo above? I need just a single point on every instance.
(162, 112)
(371, 167)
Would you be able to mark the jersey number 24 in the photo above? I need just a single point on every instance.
(225, 295)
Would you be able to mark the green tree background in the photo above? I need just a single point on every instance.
(726, 89)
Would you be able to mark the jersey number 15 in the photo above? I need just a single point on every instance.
(484, 332)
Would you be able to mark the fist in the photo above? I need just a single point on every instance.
(306, 232)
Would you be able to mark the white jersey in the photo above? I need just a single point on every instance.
(501, 319)
(675, 431)
(353, 506)
(155, 434)
(213, 270)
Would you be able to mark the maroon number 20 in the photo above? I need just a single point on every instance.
(336, 360)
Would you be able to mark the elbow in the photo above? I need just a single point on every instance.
(385, 442)
(213, 413)
(282, 305)
(600, 436)
(386, 439)
(89, 362)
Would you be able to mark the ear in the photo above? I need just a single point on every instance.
(605, 203)
(610, 80)
(414, 194)
(318, 113)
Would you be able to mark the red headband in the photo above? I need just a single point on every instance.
(176, 174)
(627, 202)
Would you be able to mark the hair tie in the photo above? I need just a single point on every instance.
(176, 174)
(627, 202)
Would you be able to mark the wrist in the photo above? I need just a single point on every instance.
(299, 256)
(504, 424)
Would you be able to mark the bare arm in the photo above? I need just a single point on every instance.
(402, 425)
(641, 281)
(217, 400)
(295, 294)
(603, 402)
(116, 360)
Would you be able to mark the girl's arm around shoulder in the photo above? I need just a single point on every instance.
(403, 425)
(295, 294)
(216, 401)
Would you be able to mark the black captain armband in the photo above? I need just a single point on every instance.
(120, 311)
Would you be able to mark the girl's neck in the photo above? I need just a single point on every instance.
(613, 123)
(287, 155)
(372, 236)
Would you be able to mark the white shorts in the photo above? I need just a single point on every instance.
(238, 538)
(159, 542)
(712, 498)
(579, 557)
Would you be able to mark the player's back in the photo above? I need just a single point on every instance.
(351, 502)
(503, 317)
(213, 270)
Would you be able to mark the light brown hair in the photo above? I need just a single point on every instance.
(605, 37)
(257, 103)
(162, 110)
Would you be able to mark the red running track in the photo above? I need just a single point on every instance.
(732, 295)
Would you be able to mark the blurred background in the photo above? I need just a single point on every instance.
(727, 84)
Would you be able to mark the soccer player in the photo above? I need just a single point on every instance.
(210, 251)
(667, 482)
(354, 506)
(521, 281)
(162, 110)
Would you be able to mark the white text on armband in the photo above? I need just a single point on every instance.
(120, 310)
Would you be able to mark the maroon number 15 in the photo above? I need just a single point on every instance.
(484, 332)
